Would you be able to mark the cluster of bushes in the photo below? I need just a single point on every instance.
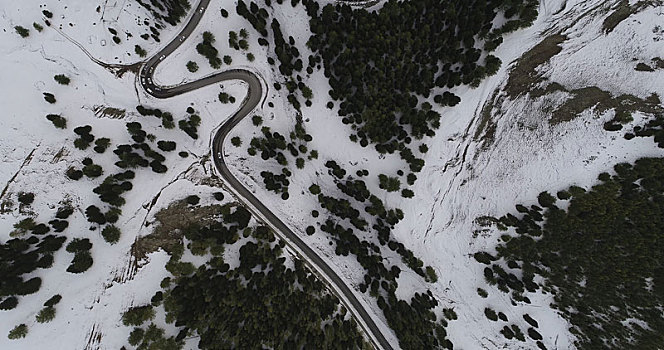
(111, 189)
(22, 31)
(273, 145)
(32, 248)
(619, 222)
(62, 79)
(242, 43)
(285, 51)
(252, 298)
(206, 49)
(129, 158)
(166, 117)
(102, 144)
(190, 125)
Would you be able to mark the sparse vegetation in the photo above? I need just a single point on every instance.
(62, 79)
(206, 49)
(22, 31)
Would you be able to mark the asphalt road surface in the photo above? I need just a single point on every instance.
(254, 95)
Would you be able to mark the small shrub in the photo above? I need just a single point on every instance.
(531, 321)
(93, 170)
(310, 230)
(102, 144)
(62, 79)
(166, 146)
(642, 67)
(37, 26)
(502, 316)
(81, 262)
(49, 97)
(74, 174)
(26, 198)
(78, 245)
(481, 292)
(18, 332)
(218, 196)
(236, 141)
(23, 32)
(136, 316)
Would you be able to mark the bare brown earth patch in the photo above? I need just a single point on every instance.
(170, 223)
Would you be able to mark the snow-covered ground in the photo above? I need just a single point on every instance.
(93, 301)
(460, 182)
(463, 181)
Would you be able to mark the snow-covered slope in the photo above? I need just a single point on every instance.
(465, 176)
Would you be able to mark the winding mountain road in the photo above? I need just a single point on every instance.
(254, 95)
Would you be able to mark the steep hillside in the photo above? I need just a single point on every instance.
(395, 147)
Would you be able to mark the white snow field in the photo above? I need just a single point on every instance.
(462, 179)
